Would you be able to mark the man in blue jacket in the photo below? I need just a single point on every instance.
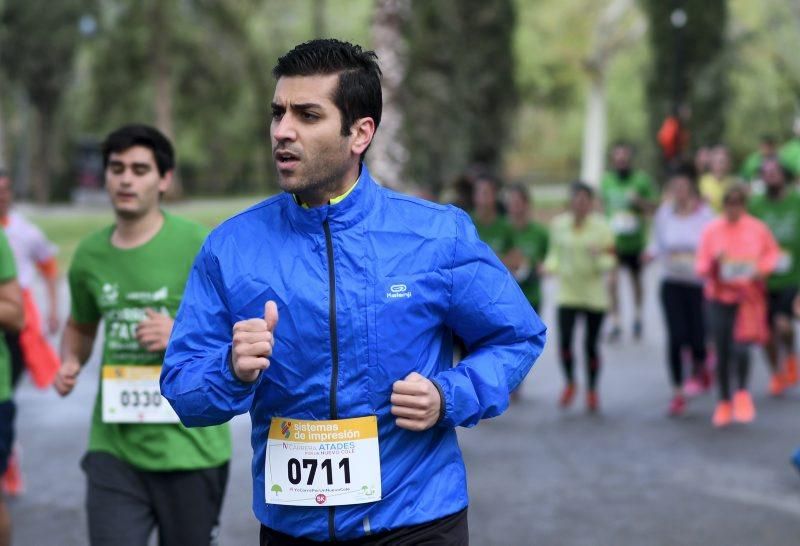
(353, 396)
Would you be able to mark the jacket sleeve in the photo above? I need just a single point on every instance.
(770, 255)
(197, 377)
(704, 261)
(503, 334)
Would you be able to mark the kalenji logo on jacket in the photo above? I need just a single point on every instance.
(397, 291)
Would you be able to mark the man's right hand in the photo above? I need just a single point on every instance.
(67, 377)
(253, 341)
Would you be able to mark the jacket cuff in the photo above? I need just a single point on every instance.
(442, 407)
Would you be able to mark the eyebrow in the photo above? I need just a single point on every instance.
(135, 164)
(300, 106)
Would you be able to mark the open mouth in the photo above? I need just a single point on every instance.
(285, 159)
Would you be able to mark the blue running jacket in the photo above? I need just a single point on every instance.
(344, 336)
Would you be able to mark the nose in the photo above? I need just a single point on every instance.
(283, 129)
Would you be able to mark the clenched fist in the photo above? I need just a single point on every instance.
(415, 402)
(153, 332)
(253, 341)
(67, 377)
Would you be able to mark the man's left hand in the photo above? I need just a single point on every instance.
(415, 402)
(153, 332)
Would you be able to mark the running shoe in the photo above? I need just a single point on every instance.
(723, 414)
(693, 387)
(567, 395)
(592, 401)
(678, 406)
(796, 459)
(790, 372)
(614, 334)
(776, 385)
(743, 409)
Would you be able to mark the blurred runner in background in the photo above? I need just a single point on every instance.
(628, 196)
(736, 254)
(677, 226)
(581, 254)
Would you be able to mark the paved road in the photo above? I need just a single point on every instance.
(629, 476)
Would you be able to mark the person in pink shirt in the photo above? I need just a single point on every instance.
(736, 253)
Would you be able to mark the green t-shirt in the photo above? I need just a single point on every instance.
(8, 272)
(789, 155)
(497, 234)
(751, 166)
(117, 285)
(532, 241)
(783, 218)
(628, 224)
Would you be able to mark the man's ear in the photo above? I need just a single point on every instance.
(362, 132)
(165, 182)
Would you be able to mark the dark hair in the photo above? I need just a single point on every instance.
(141, 135)
(358, 94)
(685, 170)
(623, 144)
(579, 186)
(486, 176)
(768, 140)
(522, 191)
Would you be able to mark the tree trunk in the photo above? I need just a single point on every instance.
(388, 154)
(162, 81)
(41, 160)
(594, 131)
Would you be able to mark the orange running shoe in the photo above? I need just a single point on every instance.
(776, 385)
(790, 371)
(592, 401)
(723, 415)
(12, 479)
(743, 409)
(567, 396)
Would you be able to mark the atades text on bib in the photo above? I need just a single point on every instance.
(322, 463)
(131, 394)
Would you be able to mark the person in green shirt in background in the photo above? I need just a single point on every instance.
(789, 154)
(581, 254)
(628, 197)
(11, 319)
(492, 226)
(144, 469)
(529, 243)
(751, 167)
(779, 208)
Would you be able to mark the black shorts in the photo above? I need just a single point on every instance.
(7, 412)
(124, 504)
(447, 531)
(632, 262)
(779, 302)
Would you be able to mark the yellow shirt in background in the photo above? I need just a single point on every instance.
(712, 189)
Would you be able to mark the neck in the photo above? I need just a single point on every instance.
(133, 232)
(685, 205)
(321, 196)
(775, 193)
(519, 221)
(580, 218)
(487, 215)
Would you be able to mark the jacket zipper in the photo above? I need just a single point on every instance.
(334, 351)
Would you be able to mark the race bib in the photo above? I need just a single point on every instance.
(733, 270)
(681, 264)
(322, 463)
(784, 264)
(131, 394)
(624, 223)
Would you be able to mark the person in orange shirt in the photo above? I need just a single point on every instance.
(736, 254)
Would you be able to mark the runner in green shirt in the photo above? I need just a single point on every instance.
(493, 229)
(779, 208)
(789, 154)
(628, 196)
(144, 468)
(751, 167)
(529, 242)
(11, 319)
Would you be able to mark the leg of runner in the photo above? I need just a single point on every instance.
(672, 301)
(613, 290)
(638, 296)
(566, 330)
(594, 320)
(721, 319)
(744, 410)
(7, 413)
(117, 502)
(187, 504)
(785, 337)
(697, 336)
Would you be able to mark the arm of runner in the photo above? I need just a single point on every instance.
(76, 348)
(12, 317)
(199, 375)
(503, 334)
